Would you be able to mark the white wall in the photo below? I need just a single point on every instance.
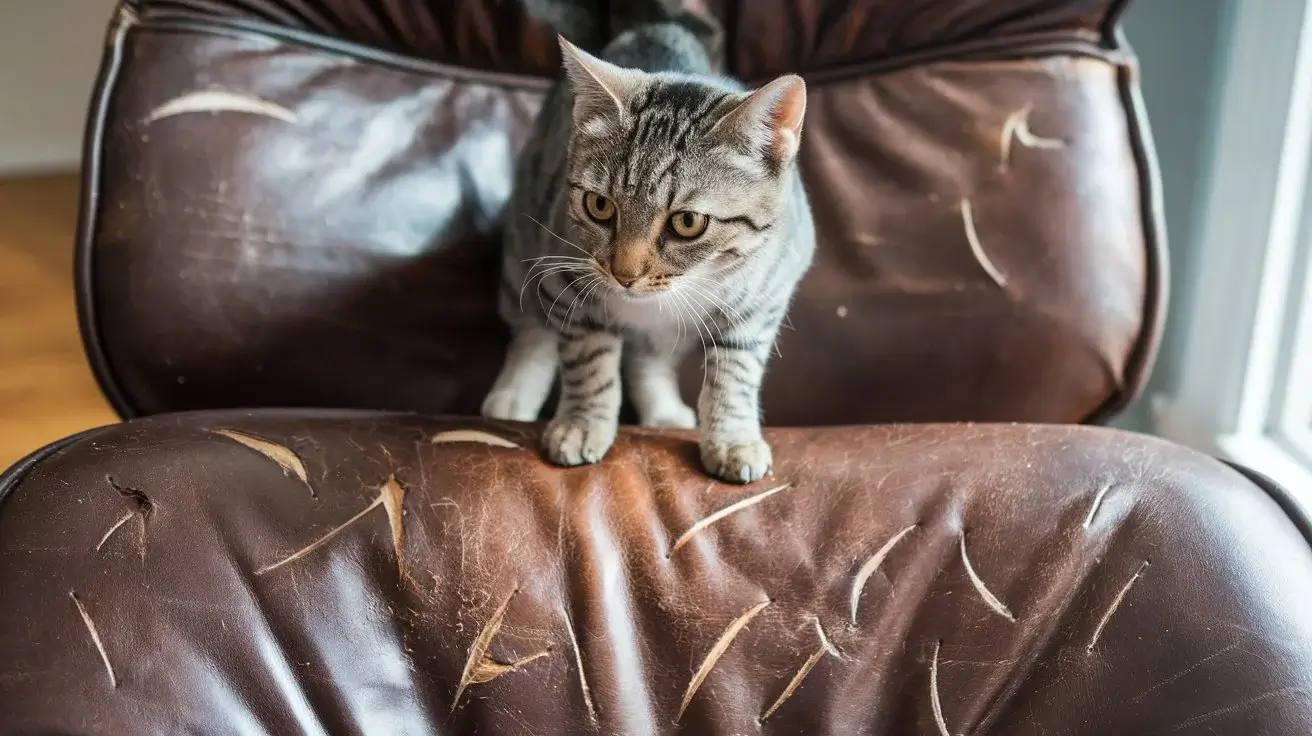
(49, 55)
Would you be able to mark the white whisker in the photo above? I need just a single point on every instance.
(697, 325)
(731, 314)
(553, 234)
(541, 277)
(575, 259)
(581, 300)
(568, 286)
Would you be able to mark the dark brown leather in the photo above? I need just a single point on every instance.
(338, 246)
(1016, 580)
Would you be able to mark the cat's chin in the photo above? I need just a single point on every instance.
(640, 297)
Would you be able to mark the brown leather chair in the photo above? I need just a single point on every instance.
(295, 203)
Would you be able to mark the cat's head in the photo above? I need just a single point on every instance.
(673, 178)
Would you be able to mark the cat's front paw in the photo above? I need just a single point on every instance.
(736, 462)
(510, 405)
(571, 441)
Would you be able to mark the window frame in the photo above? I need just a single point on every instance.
(1248, 326)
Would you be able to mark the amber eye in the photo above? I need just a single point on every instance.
(599, 208)
(689, 225)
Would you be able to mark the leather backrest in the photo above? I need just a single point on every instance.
(298, 202)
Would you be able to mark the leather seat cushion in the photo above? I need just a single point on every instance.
(328, 572)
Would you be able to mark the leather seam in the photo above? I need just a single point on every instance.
(1006, 48)
(235, 28)
(1139, 363)
(1279, 495)
(1009, 48)
(89, 212)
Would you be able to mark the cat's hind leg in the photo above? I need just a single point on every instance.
(526, 377)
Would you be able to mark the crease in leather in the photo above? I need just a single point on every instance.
(272, 647)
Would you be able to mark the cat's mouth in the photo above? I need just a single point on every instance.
(640, 289)
(639, 295)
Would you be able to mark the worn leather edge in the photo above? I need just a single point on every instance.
(1010, 48)
(1112, 50)
(256, 29)
(1143, 355)
(17, 473)
(1281, 495)
(1068, 42)
(89, 211)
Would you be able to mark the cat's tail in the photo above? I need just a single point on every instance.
(692, 15)
(593, 24)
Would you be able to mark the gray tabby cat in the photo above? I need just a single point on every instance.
(656, 205)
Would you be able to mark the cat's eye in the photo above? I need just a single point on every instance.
(689, 225)
(599, 208)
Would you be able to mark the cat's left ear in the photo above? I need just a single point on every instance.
(600, 89)
(771, 118)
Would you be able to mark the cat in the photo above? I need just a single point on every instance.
(656, 205)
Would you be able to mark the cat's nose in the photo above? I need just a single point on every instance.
(626, 281)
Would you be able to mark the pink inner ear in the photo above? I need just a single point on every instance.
(786, 116)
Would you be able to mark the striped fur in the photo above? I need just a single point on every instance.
(620, 300)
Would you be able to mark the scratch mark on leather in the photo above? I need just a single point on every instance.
(1241, 705)
(825, 648)
(473, 435)
(393, 496)
(992, 600)
(717, 651)
(481, 668)
(1017, 127)
(142, 509)
(390, 494)
(95, 638)
(825, 644)
(1116, 603)
(726, 511)
(934, 702)
(218, 100)
(1182, 673)
(489, 669)
(283, 456)
(126, 518)
(871, 565)
(583, 677)
(977, 248)
(1097, 504)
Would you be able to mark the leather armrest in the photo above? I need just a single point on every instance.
(284, 572)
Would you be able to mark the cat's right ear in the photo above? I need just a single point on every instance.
(601, 90)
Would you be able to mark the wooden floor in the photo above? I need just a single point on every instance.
(46, 388)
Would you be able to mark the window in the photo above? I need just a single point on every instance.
(1245, 388)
